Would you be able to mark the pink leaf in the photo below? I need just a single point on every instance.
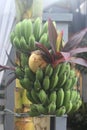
(78, 50)
(79, 61)
(75, 40)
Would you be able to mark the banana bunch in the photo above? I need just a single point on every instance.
(51, 90)
(27, 32)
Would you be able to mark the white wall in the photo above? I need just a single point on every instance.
(47, 3)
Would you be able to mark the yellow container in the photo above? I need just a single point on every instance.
(24, 124)
(18, 99)
(41, 123)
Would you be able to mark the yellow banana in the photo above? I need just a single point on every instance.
(59, 41)
(25, 100)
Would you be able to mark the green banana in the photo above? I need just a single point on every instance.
(37, 85)
(35, 96)
(73, 96)
(68, 84)
(72, 73)
(46, 83)
(49, 70)
(31, 43)
(68, 107)
(67, 95)
(44, 28)
(42, 96)
(19, 72)
(17, 30)
(37, 28)
(76, 106)
(23, 24)
(40, 108)
(62, 69)
(62, 80)
(24, 60)
(60, 97)
(33, 111)
(56, 69)
(44, 40)
(68, 68)
(61, 111)
(26, 83)
(51, 108)
(74, 81)
(28, 29)
(16, 42)
(29, 96)
(29, 73)
(78, 95)
(53, 81)
(53, 97)
(39, 74)
(23, 44)
(12, 35)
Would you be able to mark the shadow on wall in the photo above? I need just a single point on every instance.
(78, 23)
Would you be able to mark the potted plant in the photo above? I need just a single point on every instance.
(46, 67)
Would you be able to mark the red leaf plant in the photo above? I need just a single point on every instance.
(67, 52)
